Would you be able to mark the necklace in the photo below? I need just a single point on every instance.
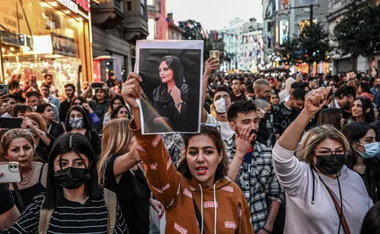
(25, 180)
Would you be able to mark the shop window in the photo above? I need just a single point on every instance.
(142, 9)
(129, 5)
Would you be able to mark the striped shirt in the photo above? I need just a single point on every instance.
(70, 217)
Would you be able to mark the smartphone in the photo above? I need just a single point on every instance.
(11, 172)
(10, 123)
(214, 54)
(3, 89)
(97, 85)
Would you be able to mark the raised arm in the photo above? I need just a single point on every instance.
(211, 64)
(162, 176)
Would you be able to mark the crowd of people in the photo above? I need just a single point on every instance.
(290, 154)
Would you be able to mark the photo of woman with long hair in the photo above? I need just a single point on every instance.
(170, 97)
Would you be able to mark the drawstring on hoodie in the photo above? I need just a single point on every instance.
(202, 224)
(215, 210)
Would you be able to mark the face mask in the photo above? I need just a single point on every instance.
(76, 122)
(220, 105)
(371, 150)
(72, 178)
(330, 165)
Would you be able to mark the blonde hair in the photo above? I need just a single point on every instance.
(315, 136)
(37, 118)
(115, 140)
(12, 134)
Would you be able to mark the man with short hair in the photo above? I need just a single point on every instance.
(313, 83)
(375, 90)
(49, 81)
(222, 102)
(45, 92)
(251, 166)
(237, 94)
(345, 97)
(285, 113)
(34, 98)
(14, 88)
(66, 104)
(261, 89)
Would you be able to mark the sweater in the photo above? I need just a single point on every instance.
(222, 206)
(302, 216)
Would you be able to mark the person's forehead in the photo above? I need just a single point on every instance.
(222, 93)
(70, 156)
(250, 115)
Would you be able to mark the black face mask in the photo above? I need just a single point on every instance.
(330, 165)
(72, 178)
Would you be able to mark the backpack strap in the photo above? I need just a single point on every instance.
(110, 199)
(45, 216)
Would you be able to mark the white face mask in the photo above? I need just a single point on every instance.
(220, 105)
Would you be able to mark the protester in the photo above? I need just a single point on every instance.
(17, 145)
(237, 94)
(274, 99)
(201, 179)
(317, 182)
(363, 157)
(331, 116)
(42, 140)
(251, 166)
(261, 88)
(120, 112)
(78, 122)
(46, 111)
(66, 104)
(21, 110)
(118, 169)
(345, 97)
(34, 99)
(49, 81)
(114, 103)
(80, 101)
(45, 92)
(362, 110)
(73, 197)
(371, 223)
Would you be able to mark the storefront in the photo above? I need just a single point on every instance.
(39, 37)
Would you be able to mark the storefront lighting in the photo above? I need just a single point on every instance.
(54, 4)
(7, 64)
(67, 11)
(44, 4)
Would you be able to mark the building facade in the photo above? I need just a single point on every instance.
(243, 45)
(116, 26)
(161, 24)
(39, 37)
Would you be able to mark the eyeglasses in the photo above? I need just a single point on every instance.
(77, 104)
(329, 152)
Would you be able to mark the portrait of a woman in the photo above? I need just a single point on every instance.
(170, 97)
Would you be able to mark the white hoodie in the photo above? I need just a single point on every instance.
(302, 216)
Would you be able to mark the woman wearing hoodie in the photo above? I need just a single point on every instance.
(322, 194)
(199, 198)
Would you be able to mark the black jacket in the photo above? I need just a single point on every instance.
(55, 129)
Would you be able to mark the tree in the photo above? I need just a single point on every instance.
(358, 32)
(289, 51)
(314, 42)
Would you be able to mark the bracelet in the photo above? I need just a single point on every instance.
(266, 230)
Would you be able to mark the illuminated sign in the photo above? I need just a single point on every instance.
(74, 5)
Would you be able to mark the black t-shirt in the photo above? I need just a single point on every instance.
(133, 195)
(6, 199)
(283, 117)
(235, 98)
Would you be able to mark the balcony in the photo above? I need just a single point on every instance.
(136, 23)
(108, 14)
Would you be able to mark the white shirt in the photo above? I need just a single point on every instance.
(225, 128)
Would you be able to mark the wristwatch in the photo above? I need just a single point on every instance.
(178, 104)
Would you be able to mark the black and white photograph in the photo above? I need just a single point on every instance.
(171, 73)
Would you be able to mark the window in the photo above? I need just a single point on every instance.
(142, 9)
(269, 27)
(129, 5)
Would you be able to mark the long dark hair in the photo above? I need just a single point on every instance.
(175, 65)
(87, 124)
(214, 134)
(371, 223)
(77, 143)
(331, 116)
(41, 108)
(366, 103)
(114, 113)
(80, 98)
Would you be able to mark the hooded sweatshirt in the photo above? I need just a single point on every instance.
(222, 207)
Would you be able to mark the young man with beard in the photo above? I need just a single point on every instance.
(251, 166)
(345, 97)
(237, 94)
(286, 112)
(375, 90)
(45, 92)
(49, 81)
(34, 98)
(66, 104)
(15, 89)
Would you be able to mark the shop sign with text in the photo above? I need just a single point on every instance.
(74, 5)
